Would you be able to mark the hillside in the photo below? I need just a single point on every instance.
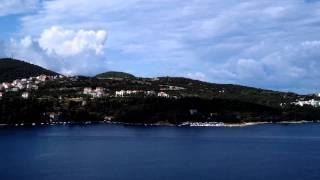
(115, 74)
(196, 88)
(121, 97)
(11, 69)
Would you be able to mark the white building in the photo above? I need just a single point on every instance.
(120, 93)
(123, 93)
(42, 78)
(1, 94)
(98, 92)
(20, 86)
(25, 95)
(87, 91)
(151, 93)
(311, 102)
(6, 85)
(163, 94)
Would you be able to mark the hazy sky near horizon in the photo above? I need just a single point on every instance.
(272, 44)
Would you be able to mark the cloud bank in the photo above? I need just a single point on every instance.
(266, 43)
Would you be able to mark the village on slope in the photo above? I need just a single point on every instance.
(26, 85)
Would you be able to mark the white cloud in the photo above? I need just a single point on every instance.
(65, 42)
(8, 7)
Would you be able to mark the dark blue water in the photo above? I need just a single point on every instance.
(286, 152)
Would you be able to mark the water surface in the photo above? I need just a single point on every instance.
(286, 152)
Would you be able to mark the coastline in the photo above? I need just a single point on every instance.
(165, 124)
(214, 124)
(245, 124)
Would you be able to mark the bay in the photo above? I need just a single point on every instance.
(269, 151)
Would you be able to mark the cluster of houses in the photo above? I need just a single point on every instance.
(25, 85)
(99, 92)
(124, 93)
(95, 93)
(311, 102)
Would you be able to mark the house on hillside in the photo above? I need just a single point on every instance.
(120, 93)
(150, 93)
(6, 85)
(163, 94)
(87, 90)
(311, 102)
(42, 77)
(99, 92)
(25, 95)
(96, 93)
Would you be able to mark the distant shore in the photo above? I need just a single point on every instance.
(185, 124)
(245, 124)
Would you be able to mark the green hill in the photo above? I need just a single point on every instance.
(114, 74)
(11, 69)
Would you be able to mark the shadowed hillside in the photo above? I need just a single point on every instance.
(11, 69)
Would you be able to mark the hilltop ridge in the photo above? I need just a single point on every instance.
(11, 69)
(115, 74)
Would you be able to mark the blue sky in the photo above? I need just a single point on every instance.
(263, 43)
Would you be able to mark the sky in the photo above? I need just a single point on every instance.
(273, 44)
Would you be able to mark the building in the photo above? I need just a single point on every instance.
(151, 93)
(120, 93)
(87, 90)
(97, 93)
(123, 93)
(311, 102)
(20, 86)
(6, 85)
(54, 116)
(1, 95)
(163, 94)
(25, 95)
(42, 78)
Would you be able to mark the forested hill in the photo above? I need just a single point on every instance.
(115, 74)
(11, 69)
(175, 86)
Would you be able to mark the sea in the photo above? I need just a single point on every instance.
(116, 152)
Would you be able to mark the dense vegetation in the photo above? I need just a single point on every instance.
(11, 69)
(114, 74)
